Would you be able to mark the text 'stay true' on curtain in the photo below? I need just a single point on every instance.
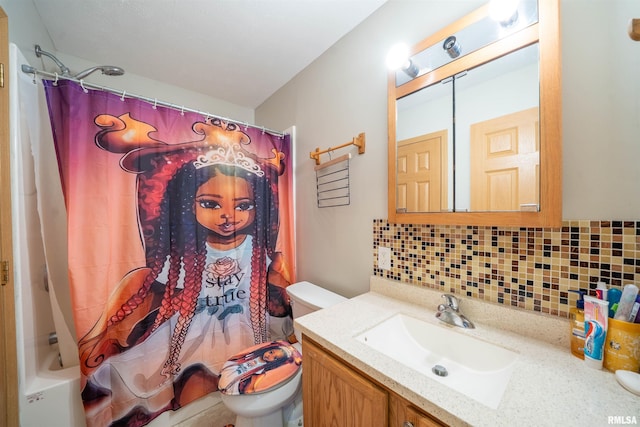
(180, 247)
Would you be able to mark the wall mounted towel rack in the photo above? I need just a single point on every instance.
(358, 141)
(333, 182)
(634, 29)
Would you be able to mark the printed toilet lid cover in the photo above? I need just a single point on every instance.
(259, 368)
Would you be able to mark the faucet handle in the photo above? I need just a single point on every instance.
(452, 301)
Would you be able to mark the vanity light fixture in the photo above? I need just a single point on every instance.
(398, 59)
(452, 46)
(505, 12)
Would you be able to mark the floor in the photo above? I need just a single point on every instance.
(216, 416)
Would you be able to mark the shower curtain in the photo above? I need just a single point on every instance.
(180, 242)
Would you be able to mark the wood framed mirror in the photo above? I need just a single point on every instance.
(441, 169)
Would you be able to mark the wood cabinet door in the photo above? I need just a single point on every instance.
(403, 414)
(418, 419)
(335, 395)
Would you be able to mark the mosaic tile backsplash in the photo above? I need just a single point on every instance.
(529, 268)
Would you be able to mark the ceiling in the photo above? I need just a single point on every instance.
(240, 51)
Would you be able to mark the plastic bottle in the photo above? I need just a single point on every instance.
(576, 317)
(635, 311)
(613, 296)
(601, 290)
(637, 319)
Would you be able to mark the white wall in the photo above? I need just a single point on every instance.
(139, 85)
(25, 27)
(601, 110)
(344, 93)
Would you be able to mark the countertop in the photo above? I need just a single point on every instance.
(548, 387)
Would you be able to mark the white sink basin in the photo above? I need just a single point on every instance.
(476, 368)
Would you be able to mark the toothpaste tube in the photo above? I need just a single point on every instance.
(595, 327)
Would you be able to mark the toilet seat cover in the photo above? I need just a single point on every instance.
(260, 368)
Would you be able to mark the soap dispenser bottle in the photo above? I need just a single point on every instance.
(576, 317)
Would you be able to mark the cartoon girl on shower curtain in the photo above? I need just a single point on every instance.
(208, 215)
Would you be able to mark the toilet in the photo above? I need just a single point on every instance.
(262, 384)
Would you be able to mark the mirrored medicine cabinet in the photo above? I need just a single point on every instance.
(474, 123)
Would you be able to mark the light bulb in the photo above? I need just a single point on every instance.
(398, 59)
(504, 11)
(398, 56)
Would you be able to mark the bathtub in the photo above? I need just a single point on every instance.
(52, 397)
(48, 372)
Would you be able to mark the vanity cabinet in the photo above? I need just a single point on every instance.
(336, 394)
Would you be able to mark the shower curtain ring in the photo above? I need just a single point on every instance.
(84, 89)
(182, 111)
(155, 103)
(263, 130)
(124, 92)
(55, 82)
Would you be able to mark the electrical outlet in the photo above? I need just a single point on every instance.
(384, 258)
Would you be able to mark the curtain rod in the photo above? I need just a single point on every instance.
(27, 69)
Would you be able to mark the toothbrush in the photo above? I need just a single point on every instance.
(627, 299)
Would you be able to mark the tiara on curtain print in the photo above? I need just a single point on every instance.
(230, 155)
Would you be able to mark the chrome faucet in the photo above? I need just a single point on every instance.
(449, 313)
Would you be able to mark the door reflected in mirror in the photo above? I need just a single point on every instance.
(471, 142)
(424, 152)
(422, 173)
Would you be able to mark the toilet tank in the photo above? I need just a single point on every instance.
(306, 298)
